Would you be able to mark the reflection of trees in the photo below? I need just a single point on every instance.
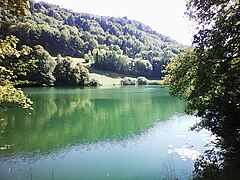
(65, 117)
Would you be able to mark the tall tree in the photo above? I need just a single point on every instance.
(8, 93)
(207, 77)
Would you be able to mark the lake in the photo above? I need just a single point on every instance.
(99, 133)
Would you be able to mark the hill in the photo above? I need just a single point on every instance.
(107, 43)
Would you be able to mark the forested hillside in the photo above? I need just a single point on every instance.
(109, 43)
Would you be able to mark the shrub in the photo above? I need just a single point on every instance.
(92, 82)
(129, 81)
(142, 81)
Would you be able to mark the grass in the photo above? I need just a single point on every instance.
(105, 78)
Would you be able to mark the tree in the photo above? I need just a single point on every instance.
(68, 74)
(42, 74)
(207, 77)
(62, 31)
(8, 93)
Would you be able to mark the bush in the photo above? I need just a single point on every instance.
(134, 81)
(142, 81)
(68, 74)
(92, 82)
(129, 81)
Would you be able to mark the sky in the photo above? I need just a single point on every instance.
(164, 16)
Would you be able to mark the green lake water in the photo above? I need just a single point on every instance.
(99, 133)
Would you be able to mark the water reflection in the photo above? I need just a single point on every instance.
(131, 132)
(65, 116)
(144, 156)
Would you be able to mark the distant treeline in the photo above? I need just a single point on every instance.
(109, 43)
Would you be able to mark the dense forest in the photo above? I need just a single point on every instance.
(108, 43)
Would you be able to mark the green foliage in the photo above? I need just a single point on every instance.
(142, 81)
(18, 64)
(134, 81)
(42, 74)
(129, 81)
(182, 74)
(115, 61)
(68, 74)
(141, 67)
(8, 93)
(16, 8)
(8, 46)
(207, 77)
(61, 31)
(35, 66)
(109, 60)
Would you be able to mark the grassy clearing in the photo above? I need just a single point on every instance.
(80, 60)
(105, 78)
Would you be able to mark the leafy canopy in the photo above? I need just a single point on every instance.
(8, 93)
(16, 7)
(62, 31)
(207, 77)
